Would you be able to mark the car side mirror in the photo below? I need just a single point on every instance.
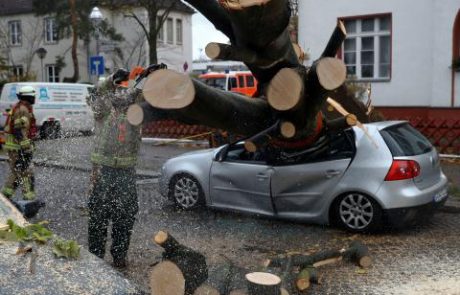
(222, 154)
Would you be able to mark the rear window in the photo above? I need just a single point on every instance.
(404, 140)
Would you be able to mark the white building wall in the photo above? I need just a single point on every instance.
(135, 51)
(421, 45)
(135, 46)
(32, 39)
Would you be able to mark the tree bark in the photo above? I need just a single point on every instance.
(74, 25)
(194, 101)
(357, 252)
(191, 263)
(260, 283)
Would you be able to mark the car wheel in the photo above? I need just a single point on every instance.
(186, 192)
(358, 212)
(50, 130)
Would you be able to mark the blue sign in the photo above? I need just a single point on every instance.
(12, 94)
(43, 94)
(96, 64)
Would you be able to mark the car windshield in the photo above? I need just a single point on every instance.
(215, 82)
(404, 140)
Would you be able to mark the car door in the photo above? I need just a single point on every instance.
(300, 189)
(241, 182)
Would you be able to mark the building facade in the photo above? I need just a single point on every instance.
(405, 49)
(22, 33)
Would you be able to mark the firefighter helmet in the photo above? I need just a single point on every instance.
(27, 93)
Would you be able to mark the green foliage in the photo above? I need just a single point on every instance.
(31, 233)
(66, 248)
(39, 234)
(60, 9)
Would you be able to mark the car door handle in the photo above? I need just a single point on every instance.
(332, 173)
(261, 176)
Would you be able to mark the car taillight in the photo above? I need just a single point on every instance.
(403, 169)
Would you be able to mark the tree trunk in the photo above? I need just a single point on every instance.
(74, 24)
(152, 36)
(194, 101)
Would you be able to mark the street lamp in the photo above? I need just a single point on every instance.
(96, 18)
(41, 52)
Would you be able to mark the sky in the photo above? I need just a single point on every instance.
(204, 32)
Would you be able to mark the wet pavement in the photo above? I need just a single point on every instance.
(418, 260)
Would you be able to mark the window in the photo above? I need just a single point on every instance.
(241, 81)
(15, 32)
(250, 81)
(404, 140)
(169, 31)
(160, 34)
(232, 83)
(51, 32)
(367, 49)
(18, 71)
(52, 73)
(178, 31)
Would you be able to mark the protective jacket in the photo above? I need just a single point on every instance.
(20, 127)
(116, 141)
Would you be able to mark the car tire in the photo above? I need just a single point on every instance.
(50, 130)
(186, 192)
(357, 212)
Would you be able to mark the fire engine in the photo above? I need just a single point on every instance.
(236, 81)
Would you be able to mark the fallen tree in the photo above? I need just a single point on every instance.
(286, 111)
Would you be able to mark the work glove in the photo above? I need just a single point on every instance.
(119, 76)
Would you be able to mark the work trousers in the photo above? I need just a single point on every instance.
(113, 197)
(21, 174)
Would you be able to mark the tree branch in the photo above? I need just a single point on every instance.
(133, 15)
(216, 15)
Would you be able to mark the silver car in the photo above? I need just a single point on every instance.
(349, 179)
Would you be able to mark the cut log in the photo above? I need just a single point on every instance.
(359, 254)
(138, 114)
(191, 263)
(331, 72)
(342, 123)
(307, 276)
(262, 283)
(167, 89)
(205, 289)
(212, 107)
(166, 279)
(286, 90)
(241, 4)
(219, 51)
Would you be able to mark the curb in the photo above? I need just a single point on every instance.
(139, 172)
(156, 141)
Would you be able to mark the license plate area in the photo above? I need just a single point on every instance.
(440, 196)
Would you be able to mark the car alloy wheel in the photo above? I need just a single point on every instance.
(186, 191)
(358, 212)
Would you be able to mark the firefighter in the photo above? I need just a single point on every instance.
(20, 132)
(113, 195)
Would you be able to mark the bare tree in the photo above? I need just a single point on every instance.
(157, 14)
(32, 38)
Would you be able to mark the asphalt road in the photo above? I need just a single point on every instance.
(419, 260)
